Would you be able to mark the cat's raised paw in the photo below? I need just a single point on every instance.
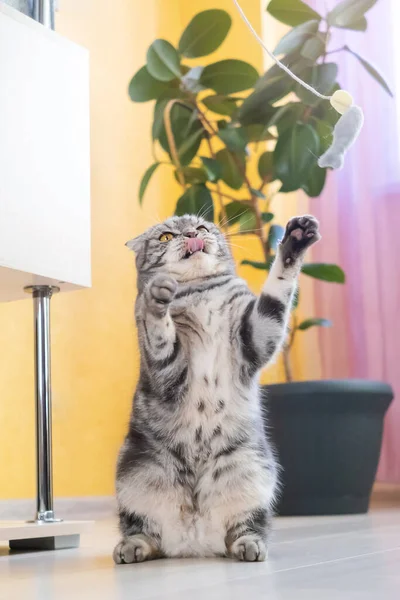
(133, 550)
(249, 549)
(300, 234)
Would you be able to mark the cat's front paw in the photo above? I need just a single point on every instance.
(300, 234)
(133, 550)
(249, 549)
(160, 293)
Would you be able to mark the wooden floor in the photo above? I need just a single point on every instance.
(323, 558)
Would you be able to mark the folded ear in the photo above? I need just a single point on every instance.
(135, 243)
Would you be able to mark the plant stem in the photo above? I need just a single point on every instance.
(206, 124)
(286, 363)
(336, 50)
(224, 216)
(259, 230)
(241, 200)
(287, 349)
(294, 328)
(204, 118)
(265, 181)
(171, 141)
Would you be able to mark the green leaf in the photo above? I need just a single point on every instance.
(295, 154)
(257, 133)
(189, 147)
(275, 83)
(172, 93)
(275, 234)
(296, 37)
(266, 165)
(256, 109)
(296, 298)
(163, 61)
(145, 180)
(325, 112)
(287, 116)
(307, 323)
(143, 87)
(222, 124)
(268, 91)
(325, 133)
(248, 222)
(190, 80)
(372, 71)
(266, 217)
(349, 11)
(231, 174)
(315, 182)
(233, 138)
(324, 272)
(292, 12)
(221, 105)
(212, 167)
(205, 33)
(359, 25)
(321, 77)
(187, 131)
(314, 47)
(158, 118)
(263, 266)
(235, 210)
(193, 175)
(196, 200)
(229, 76)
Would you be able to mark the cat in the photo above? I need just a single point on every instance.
(196, 475)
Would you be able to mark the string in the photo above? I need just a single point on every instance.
(275, 59)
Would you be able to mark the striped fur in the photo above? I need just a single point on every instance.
(196, 474)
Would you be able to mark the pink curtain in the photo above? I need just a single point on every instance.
(360, 223)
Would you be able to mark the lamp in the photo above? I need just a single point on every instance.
(44, 212)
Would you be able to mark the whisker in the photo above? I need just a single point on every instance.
(236, 233)
(311, 152)
(202, 212)
(232, 245)
(155, 220)
(220, 224)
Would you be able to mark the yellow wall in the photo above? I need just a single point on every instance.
(95, 358)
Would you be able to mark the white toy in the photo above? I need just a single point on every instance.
(344, 135)
(350, 123)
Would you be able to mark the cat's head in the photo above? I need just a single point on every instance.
(185, 247)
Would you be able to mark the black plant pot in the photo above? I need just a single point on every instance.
(328, 437)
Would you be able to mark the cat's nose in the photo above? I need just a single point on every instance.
(190, 234)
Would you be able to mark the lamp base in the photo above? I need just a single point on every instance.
(42, 536)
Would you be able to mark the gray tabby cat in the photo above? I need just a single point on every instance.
(196, 475)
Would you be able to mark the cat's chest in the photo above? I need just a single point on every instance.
(203, 327)
(200, 319)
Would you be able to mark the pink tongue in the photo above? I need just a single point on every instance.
(194, 244)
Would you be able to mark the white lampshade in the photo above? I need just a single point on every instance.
(44, 158)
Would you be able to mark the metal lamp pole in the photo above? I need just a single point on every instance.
(44, 479)
(43, 11)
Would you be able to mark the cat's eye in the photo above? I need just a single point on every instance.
(166, 237)
(202, 228)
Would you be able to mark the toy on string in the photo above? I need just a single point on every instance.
(350, 123)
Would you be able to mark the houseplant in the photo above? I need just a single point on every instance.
(211, 131)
